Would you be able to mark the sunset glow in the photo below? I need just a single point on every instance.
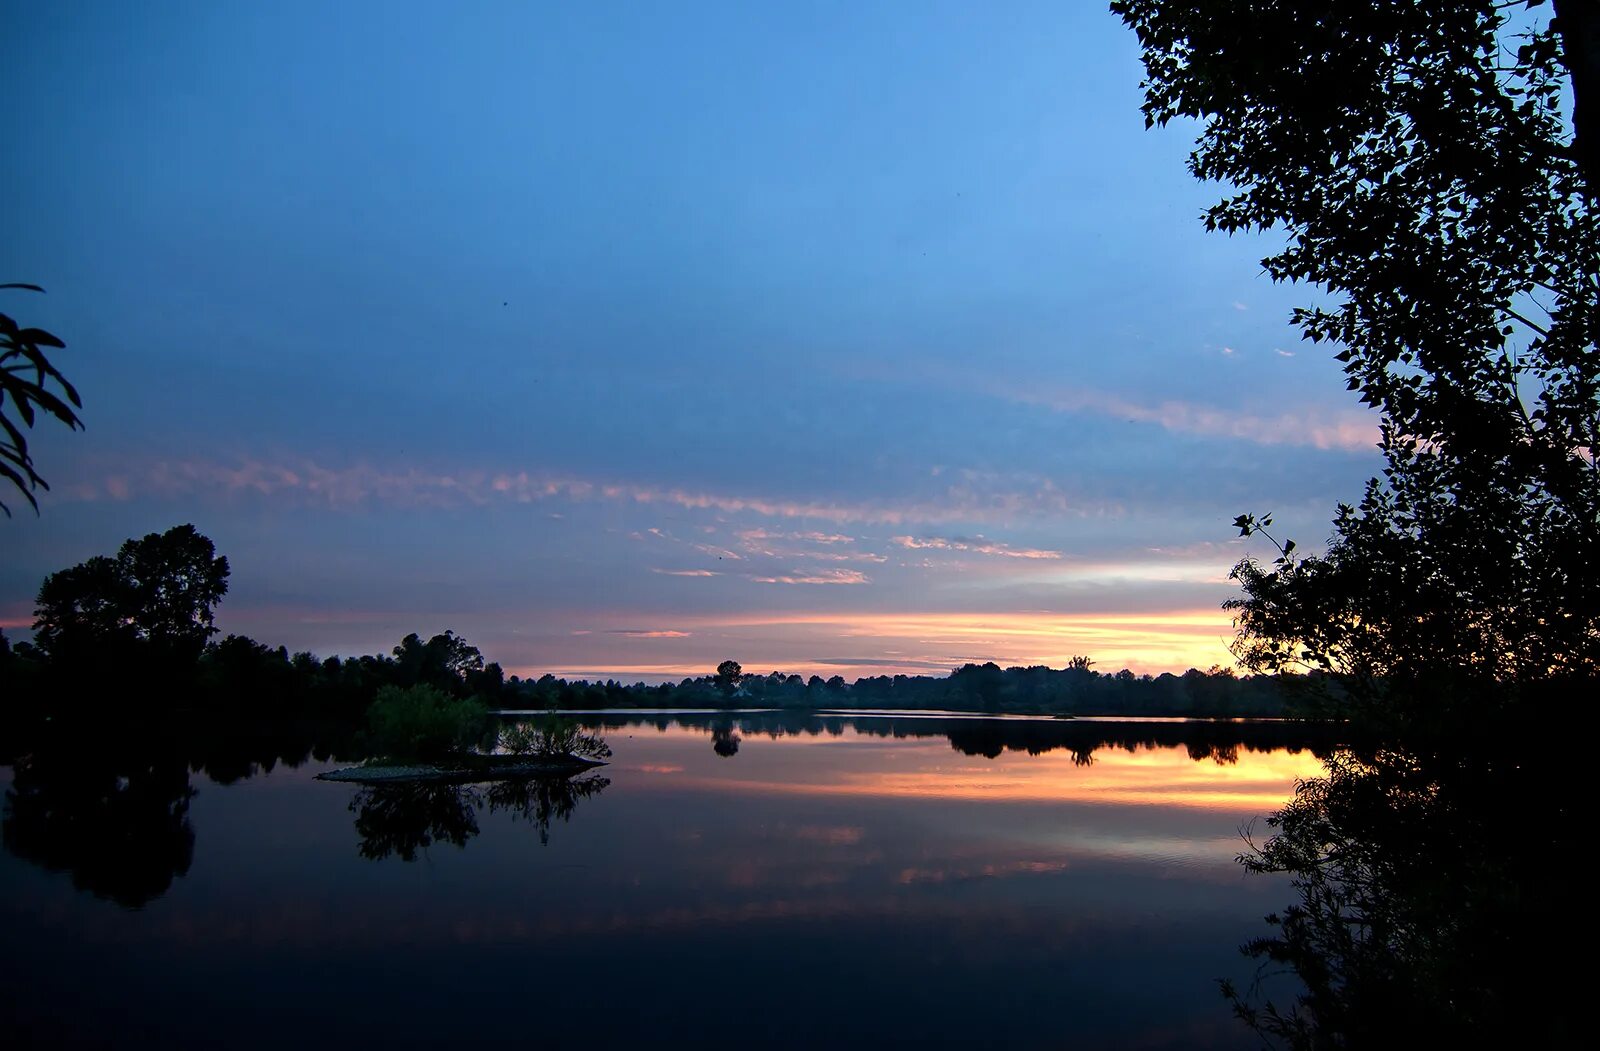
(581, 383)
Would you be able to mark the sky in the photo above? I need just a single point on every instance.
(623, 339)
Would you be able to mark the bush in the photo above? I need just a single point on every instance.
(423, 723)
(552, 736)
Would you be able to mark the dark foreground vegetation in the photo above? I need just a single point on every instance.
(1433, 171)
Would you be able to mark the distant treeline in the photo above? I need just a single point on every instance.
(133, 635)
(1220, 740)
(238, 676)
(1076, 690)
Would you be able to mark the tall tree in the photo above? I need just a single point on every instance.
(25, 378)
(729, 675)
(1421, 164)
(156, 598)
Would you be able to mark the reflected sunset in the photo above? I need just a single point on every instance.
(1246, 782)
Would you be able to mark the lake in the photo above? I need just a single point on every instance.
(755, 879)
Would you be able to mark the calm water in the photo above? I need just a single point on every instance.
(764, 881)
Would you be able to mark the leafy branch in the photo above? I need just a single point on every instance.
(25, 376)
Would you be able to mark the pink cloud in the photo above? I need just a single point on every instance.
(976, 545)
(360, 485)
(1349, 431)
(828, 576)
(807, 537)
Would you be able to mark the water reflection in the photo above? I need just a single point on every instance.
(118, 824)
(1079, 877)
(541, 800)
(399, 820)
(1434, 896)
(111, 808)
(1218, 741)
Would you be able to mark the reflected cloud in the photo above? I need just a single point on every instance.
(1168, 777)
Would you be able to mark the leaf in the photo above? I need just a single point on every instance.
(39, 338)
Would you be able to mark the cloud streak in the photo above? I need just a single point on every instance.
(1349, 432)
(360, 486)
(826, 576)
(637, 633)
(976, 545)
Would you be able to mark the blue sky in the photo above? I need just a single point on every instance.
(624, 338)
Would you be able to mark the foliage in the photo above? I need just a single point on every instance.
(155, 598)
(446, 660)
(729, 675)
(552, 737)
(25, 376)
(423, 723)
(1417, 911)
(1417, 159)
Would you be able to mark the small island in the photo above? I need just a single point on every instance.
(423, 735)
(467, 770)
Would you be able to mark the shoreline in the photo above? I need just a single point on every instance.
(499, 768)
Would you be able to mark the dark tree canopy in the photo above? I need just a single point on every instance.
(1420, 163)
(156, 597)
(25, 378)
(729, 675)
(446, 660)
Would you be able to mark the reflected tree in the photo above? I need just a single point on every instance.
(1433, 901)
(398, 820)
(119, 824)
(403, 820)
(725, 739)
(541, 800)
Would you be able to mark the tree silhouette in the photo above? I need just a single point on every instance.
(1416, 914)
(155, 598)
(729, 675)
(115, 817)
(25, 375)
(1419, 161)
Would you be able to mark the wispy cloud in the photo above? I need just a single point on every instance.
(637, 633)
(363, 485)
(806, 537)
(827, 576)
(687, 572)
(977, 545)
(1351, 431)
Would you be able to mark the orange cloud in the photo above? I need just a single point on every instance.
(913, 643)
